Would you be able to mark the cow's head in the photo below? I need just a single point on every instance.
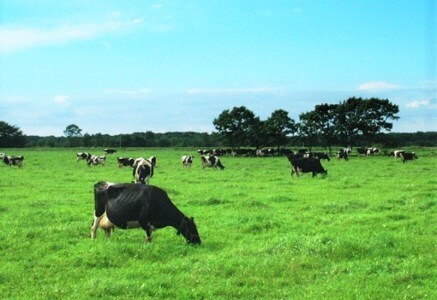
(189, 230)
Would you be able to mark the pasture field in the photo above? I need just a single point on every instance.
(366, 231)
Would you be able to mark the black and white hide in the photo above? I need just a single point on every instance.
(142, 170)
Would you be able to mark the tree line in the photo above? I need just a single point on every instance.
(353, 122)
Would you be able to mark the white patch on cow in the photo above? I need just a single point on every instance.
(95, 225)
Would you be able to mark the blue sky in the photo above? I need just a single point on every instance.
(131, 66)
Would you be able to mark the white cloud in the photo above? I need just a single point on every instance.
(13, 38)
(377, 86)
(419, 103)
(62, 100)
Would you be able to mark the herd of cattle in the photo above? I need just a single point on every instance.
(138, 204)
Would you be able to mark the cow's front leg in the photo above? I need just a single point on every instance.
(149, 231)
(95, 225)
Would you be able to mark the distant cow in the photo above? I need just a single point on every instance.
(83, 156)
(368, 151)
(211, 161)
(398, 153)
(342, 154)
(125, 161)
(135, 205)
(372, 151)
(408, 156)
(95, 160)
(318, 155)
(306, 165)
(12, 160)
(142, 170)
(187, 160)
(109, 150)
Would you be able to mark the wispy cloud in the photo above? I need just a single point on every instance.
(15, 38)
(62, 100)
(377, 86)
(419, 103)
(257, 90)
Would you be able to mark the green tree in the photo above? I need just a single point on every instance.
(73, 130)
(364, 118)
(278, 126)
(73, 134)
(11, 136)
(236, 126)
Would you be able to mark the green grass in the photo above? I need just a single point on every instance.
(366, 231)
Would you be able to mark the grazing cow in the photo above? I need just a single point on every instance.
(408, 156)
(187, 160)
(12, 160)
(96, 160)
(109, 150)
(130, 205)
(83, 156)
(398, 153)
(306, 165)
(372, 151)
(142, 170)
(125, 161)
(211, 161)
(342, 154)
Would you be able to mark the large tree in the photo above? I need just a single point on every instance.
(357, 117)
(73, 134)
(11, 136)
(236, 126)
(320, 123)
(278, 126)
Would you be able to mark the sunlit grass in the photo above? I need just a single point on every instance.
(367, 230)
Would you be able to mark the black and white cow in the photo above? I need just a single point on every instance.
(142, 170)
(83, 156)
(187, 160)
(343, 154)
(306, 165)
(12, 160)
(398, 153)
(131, 205)
(372, 151)
(408, 156)
(211, 161)
(95, 160)
(125, 161)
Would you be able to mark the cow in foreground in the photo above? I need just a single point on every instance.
(306, 165)
(211, 161)
(130, 205)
